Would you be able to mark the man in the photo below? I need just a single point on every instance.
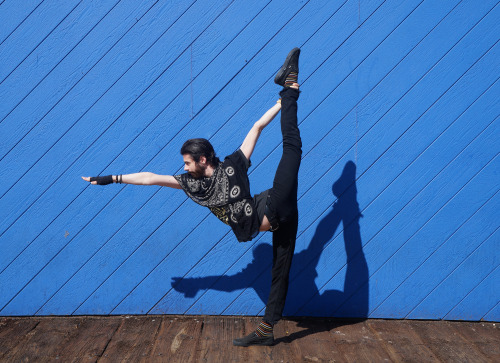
(224, 188)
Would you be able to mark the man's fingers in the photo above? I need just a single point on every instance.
(87, 178)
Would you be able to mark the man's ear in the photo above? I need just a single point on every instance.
(203, 160)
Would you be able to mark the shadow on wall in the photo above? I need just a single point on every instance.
(304, 297)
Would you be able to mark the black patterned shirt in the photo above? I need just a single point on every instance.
(227, 194)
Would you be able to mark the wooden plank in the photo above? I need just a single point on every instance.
(445, 259)
(493, 314)
(65, 338)
(481, 299)
(281, 351)
(178, 339)
(216, 340)
(355, 342)
(76, 99)
(485, 337)
(13, 13)
(426, 204)
(401, 341)
(467, 276)
(243, 327)
(230, 28)
(377, 103)
(89, 340)
(49, 54)
(445, 343)
(139, 77)
(374, 180)
(45, 340)
(75, 77)
(209, 339)
(40, 105)
(133, 341)
(30, 33)
(311, 340)
(13, 332)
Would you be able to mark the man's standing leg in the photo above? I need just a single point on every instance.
(282, 206)
(283, 250)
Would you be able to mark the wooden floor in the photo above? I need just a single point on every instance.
(209, 339)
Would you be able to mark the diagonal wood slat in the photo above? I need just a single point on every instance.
(398, 187)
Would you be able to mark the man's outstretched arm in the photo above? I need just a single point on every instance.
(252, 137)
(144, 178)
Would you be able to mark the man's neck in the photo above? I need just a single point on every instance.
(209, 171)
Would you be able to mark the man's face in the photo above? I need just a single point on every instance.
(195, 169)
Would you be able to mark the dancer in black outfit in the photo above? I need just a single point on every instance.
(224, 188)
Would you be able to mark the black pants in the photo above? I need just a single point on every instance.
(282, 205)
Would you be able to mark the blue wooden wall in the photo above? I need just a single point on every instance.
(398, 190)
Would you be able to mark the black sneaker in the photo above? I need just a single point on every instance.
(291, 65)
(253, 339)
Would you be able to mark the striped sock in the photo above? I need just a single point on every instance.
(264, 329)
(291, 79)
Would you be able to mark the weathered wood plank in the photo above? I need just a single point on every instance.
(355, 342)
(13, 332)
(209, 339)
(89, 340)
(283, 352)
(178, 339)
(216, 340)
(65, 338)
(311, 340)
(45, 340)
(445, 343)
(484, 337)
(401, 341)
(133, 341)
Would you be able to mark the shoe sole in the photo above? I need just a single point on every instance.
(283, 69)
(249, 345)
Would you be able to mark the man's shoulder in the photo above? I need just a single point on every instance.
(238, 158)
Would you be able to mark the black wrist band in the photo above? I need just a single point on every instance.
(102, 180)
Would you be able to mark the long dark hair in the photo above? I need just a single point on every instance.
(198, 148)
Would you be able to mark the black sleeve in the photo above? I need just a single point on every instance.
(239, 159)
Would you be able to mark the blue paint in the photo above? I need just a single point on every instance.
(13, 14)
(481, 263)
(401, 95)
(481, 300)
